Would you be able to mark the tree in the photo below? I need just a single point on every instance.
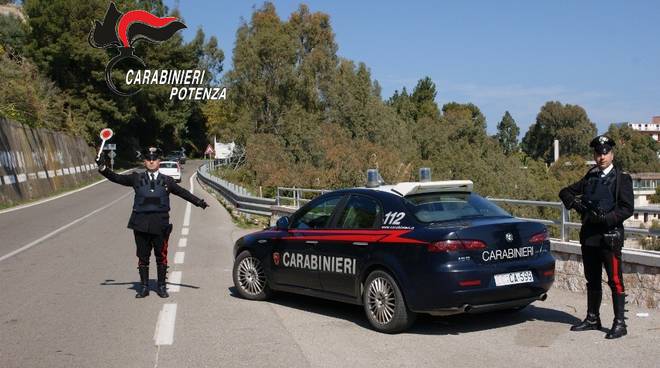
(423, 97)
(634, 151)
(263, 77)
(13, 33)
(464, 121)
(655, 198)
(403, 105)
(567, 123)
(507, 134)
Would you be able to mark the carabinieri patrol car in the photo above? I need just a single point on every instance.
(416, 247)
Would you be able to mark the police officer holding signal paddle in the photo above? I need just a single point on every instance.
(150, 217)
(604, 199)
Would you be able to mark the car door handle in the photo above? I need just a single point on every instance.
(360, 243)
(311, 242)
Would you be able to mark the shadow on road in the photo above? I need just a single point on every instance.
(135, 285)
(425, 324)
(466, 323)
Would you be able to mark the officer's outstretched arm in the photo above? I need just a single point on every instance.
(183, 193)
(626, 204)
(102, 163)
(126, 179)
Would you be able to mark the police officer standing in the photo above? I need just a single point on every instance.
(150, 218)
(604, 199)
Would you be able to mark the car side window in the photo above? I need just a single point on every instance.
(360, 213)
(317, 216)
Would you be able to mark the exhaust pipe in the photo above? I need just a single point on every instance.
(543, 297)
(466, 308)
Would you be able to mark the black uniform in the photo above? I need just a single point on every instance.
(150, 218)
(604, 202)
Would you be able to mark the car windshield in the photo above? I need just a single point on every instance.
(168, 165)
(438, 207)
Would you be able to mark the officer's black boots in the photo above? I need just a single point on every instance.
(144, 282)
(162, 286)
(592, 322)
(619, 326)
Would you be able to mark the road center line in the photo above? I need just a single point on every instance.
(59, 230)
(186, 216)
(175, 282)
(192, 188)
(179, 257)
(164, 334)
(185, 230)
(183, 242)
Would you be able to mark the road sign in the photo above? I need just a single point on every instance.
(110, 147)
(112, 154)
(209, 150)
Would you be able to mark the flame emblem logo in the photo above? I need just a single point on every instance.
(123, 30)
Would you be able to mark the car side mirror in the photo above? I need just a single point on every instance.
(282, 223)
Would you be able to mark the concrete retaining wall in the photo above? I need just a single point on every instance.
(36, 162)
(641, 273)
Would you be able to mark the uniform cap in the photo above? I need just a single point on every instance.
(602, 144)
(151, 153)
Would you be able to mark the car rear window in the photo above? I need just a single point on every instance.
(168, 165)
(437, 207)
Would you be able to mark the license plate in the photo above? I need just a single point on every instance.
(513, 278)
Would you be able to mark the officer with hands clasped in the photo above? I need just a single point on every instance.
(604, 199)
(150, 217)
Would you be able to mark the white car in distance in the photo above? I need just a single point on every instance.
(170, 168)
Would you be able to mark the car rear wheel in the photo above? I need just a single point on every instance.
(384, 305)
(250, 278)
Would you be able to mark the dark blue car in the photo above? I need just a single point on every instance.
(399, 250)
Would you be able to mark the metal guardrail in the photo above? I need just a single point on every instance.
(564, 222)
(297, 197)
(238, 196)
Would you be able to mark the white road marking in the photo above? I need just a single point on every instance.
(179, 257)
(164, 334)
(186, 216)
(192, 188)
(175, 278)
(51, 174)
(30, 245)
(185, 231)
(183, 242)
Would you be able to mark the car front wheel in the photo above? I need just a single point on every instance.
(384, 305)
(250, 278)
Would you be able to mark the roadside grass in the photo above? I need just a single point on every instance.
(241, 220)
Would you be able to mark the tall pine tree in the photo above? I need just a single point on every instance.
(507, 134)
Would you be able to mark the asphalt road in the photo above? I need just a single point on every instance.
(68, 301)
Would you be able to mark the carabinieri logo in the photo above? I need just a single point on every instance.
(122, 31)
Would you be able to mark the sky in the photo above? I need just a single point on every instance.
(500, 55)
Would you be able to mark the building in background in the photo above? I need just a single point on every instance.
(652, 128)
(644, 185)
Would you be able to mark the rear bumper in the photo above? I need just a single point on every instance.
(441, 292)
(481, 308)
